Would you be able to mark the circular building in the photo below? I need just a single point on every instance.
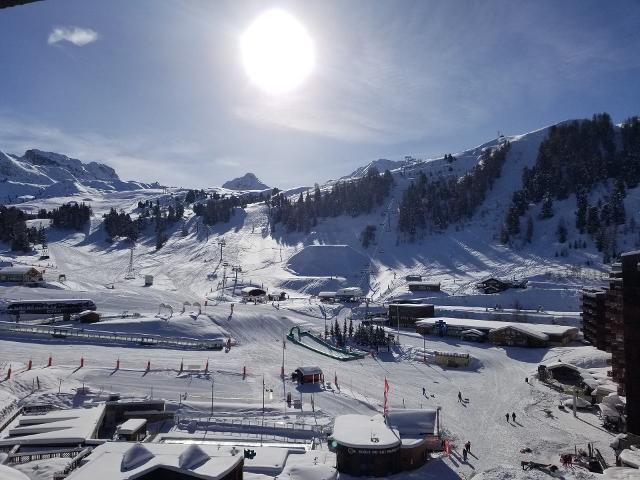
(365, 446)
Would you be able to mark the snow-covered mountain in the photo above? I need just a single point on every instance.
(47, 174)
(247, 182)
(381, 165)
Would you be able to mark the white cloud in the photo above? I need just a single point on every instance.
(76, 35)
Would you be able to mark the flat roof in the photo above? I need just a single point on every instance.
(57, 427)
(364, 431)
(310, 370)
(487, 325)
(131, 426)
(410, 305)
(17, 269)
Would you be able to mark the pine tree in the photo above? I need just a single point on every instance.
(529, 231)
(593, 220)
(581, 211)
(547, 207)
(561, 231)
(350, 328)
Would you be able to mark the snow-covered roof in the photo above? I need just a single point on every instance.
(58, 427)
(630, 458)
(327, 294)
(350, 291)
(8, 473)
(123, 461)
(310, 370)
(422, 282)
(19, 270)
(413, 423)
(252, 290)
(523, 329)
(487, 325)
(472, 331)
(621, 473)
(131, 426)
(364, 431)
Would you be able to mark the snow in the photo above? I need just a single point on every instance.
(621, 473)
(119, 460)
(630, 458)
(247, 182)
(362, 431)
(327, 260)
(8, 473)
(491, 325)
(131, 426)
(58, 427)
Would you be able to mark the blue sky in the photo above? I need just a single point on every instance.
(156, 88)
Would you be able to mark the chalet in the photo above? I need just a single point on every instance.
(496, 285)
(133, 430)
(423, 286)
(419, 433)
(277, 297)
(308, 375)
(253, 293)
(406, 315)
(23, 275)
(518, 336)
(156, 461)
(551, 334)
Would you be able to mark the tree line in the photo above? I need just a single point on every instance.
(352, 197)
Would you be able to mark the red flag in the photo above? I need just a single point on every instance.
(386, 395)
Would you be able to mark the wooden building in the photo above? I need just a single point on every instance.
(22, 275)
(88, 316)
(308, 375)
(407, 314)
(423, 286)
(518, 336)
(496, 285)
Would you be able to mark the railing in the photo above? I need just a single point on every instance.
(138, 338)
(72, 465)
(31, 456)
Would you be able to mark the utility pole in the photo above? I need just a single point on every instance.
(222, 243)
(236, 269)
(262, 429)
(130, 274)
(212, 381)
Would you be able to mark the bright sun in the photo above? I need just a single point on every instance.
(277, 52)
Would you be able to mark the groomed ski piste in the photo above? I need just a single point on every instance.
(190, 269)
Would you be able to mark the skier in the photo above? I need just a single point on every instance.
(460, 397)
(526, 379)
(464, 454)
(467, 446)
(424, 392)
(507, 416)
(513, 416)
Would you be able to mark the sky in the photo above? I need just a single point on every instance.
(157, 88)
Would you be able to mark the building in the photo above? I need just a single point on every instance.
(365, 446)
(379, 447)
(593, 318)
(148, 280)
(518, 336)
(308, 375)
(23, 275)
(406, 314)
(455, 327)
(133, 430)
(160, 461)
(413, 278)
(631, 342)
(423, 286)
(253, 293)
(70, 427)
(496, 285)
(614, 325)
(349, 294)
(88, 316)
(419, 433)
(327, 296)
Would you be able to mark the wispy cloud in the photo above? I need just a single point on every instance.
(75, 35)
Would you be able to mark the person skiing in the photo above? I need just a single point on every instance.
(424, 392)
(507, 416)
(513, 416)
(526, 379)
(464, 454)
(460, 397)
(467, 446)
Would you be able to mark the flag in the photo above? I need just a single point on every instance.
(386, 395)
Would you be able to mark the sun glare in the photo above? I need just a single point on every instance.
(277, 52)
